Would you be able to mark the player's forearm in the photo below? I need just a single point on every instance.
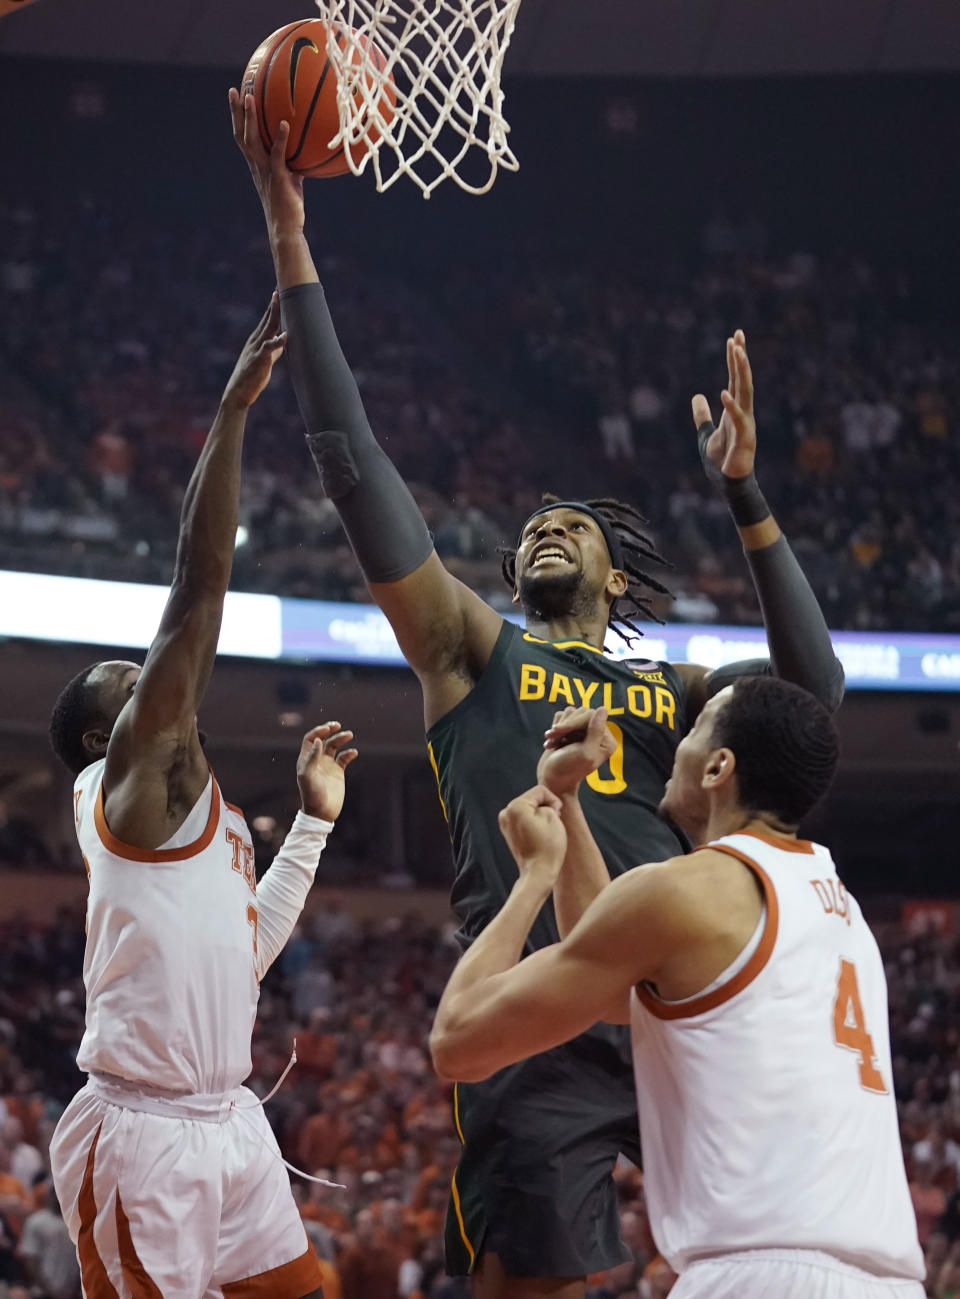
(292, 259)
(584, 875)
(208, 517)
(381, 518)
(800, 647)
(497, 949)
(282, 892)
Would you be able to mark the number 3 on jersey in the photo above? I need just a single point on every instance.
(850, 1031)
(253, 920)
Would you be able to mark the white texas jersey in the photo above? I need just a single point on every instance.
(169, 967)
(767, 1115)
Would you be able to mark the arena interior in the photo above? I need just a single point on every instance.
(684, 170)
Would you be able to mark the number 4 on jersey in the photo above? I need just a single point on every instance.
(849, 1029)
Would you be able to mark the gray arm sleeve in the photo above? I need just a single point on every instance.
(800, 646)
(381, 518)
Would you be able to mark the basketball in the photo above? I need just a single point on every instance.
(291, 78)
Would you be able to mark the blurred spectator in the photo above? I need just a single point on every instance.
(928, 1199)
(103, 407)
(368, 1269)
(48, 1253)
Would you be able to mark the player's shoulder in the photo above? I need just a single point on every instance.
(694, 884)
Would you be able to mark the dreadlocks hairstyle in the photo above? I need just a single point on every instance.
(785, 744)
(638, 549)
(77, 709)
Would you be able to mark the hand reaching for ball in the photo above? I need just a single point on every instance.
(280, 190)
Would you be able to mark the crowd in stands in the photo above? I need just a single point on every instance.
(486, 386)
(362, 1107)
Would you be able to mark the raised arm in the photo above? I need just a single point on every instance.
(800, 646)
(446, 632)
(155, 768)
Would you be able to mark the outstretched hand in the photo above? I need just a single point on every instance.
(255, 365)
(324, 757)
(280, 189)
(535, 835)
(732, 446)
(578, 743)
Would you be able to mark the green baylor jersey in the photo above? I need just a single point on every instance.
(485, 752)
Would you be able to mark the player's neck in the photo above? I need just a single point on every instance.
(591, 630)
(734, 820)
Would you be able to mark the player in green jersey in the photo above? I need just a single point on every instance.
(533, 1208)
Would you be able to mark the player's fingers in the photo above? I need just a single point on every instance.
(731, 365)
(278, 153)
(272, 314)
(598, 722)
(275, 345)
(267, 324)
(321, 730)
(336, 742)
(248, 134)
(346, 756)
(540, 797)
(744, 377)
(570, 719)
(734, 410)
(701, 411)
(236, 113)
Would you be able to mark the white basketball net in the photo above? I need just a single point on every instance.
(445, 59)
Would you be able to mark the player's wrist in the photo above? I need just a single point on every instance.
(312, 811)
(234, 402)
(286, 232)
(745, 500)
(538, 874)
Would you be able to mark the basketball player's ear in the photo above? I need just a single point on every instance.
(617, 583)
(96, 740)
(719, 769)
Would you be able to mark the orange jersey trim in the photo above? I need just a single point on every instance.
(233, 808)
(788, 845)
(711, 1000)
(288, 1281)
(141, 1283)
(93, 1273)
(127, 851)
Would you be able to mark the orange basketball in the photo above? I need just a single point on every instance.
(291, 79)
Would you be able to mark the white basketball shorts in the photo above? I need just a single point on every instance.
(786, 1274)
(182, 1198)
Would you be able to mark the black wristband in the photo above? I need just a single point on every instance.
(746, 501)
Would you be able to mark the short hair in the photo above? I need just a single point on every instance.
(785, 743)
(77, 710)
(638, 548)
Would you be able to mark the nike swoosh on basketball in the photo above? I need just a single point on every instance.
(299, 45)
